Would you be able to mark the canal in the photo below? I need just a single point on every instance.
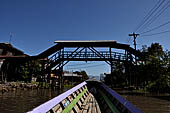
(148, 103)
(21, 101)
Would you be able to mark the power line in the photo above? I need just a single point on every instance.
(155, 16)
(78, 64)
(156, 33)
(156, 27)
(87, 66)
(129, 40)
(151, 12)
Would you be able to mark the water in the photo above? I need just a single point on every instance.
(21, 101)
(149, 103)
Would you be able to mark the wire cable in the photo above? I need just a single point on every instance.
(78, 64)
(87, 66)
(157, 33)
(151, 12)
(166, 6)
(156, 27)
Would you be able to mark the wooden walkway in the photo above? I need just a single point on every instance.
(90, 105)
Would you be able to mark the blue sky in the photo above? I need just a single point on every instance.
(36, 24)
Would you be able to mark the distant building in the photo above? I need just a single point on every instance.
(102, 77)
(71, 77)
(6, 49)
(8, 63)
(68, 77)
(95, 77)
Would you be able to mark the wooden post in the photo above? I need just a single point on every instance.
(111, 61)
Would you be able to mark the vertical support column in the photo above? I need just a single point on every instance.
(29, 70)
(111, 61)
(130, 68)
(1, 72)
(61, 70)
(43, 72)
(126, 56)
(60, 77)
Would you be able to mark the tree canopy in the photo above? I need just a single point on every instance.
(152, 74)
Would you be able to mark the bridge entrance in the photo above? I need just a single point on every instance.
(64, 51)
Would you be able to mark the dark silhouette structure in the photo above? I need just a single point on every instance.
(54, 58)
(64, 51)
(10, 58)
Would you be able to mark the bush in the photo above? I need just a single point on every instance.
(160, 85)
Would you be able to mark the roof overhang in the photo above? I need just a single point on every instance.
(84, 41)
(91, 43)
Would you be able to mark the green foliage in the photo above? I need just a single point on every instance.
(29, 69)
(160, 85)
(84, 75)
(152, 74)
(155, 50)
(118, 76)
(156, 69)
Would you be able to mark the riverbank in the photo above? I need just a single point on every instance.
(138, 91)
(12, 86)
(162, 96)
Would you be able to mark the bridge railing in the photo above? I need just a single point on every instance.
(84, 55)
(102, 54)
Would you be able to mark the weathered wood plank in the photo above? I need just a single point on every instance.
(97, 108)
(94, 105)
(90, 105)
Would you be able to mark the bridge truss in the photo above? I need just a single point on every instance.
(64, 51)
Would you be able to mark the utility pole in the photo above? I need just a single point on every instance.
(134, 43)
(134, 39)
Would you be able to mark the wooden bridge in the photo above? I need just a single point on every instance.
(64, 51)
(56, 57)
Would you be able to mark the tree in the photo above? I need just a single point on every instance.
(156, 68)
(30, 69)
(155, 50)
(84, 75)
(153, 73)
(117, 78)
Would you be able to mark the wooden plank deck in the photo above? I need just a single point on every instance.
(90, 105)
